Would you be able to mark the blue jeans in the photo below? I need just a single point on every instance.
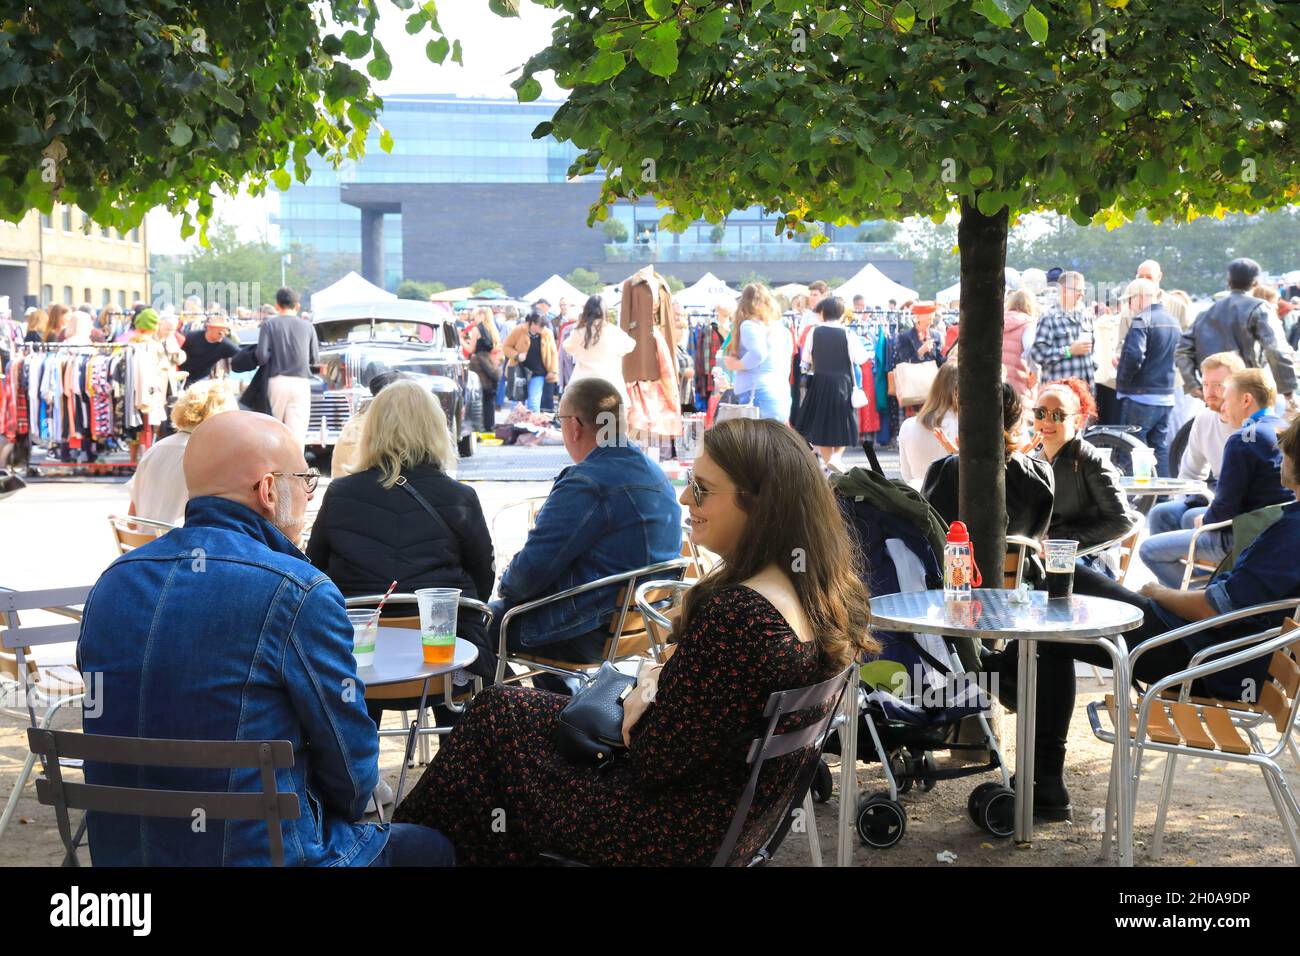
(410, 844)
(771, 404)
(1174, 515)
(536, 383)
(1161, 553)
(1152, 422)
(501, 388)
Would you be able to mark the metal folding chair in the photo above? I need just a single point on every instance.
(269, 804)
(1176, 723)
(628, 636)
(48, 689)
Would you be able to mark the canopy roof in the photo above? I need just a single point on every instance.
(875, 287)
(351, 288)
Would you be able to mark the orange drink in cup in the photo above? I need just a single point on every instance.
(438, 607)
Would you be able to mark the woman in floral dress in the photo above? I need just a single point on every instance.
(502, 792)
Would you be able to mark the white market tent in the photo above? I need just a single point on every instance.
(452, 295)
(875, 287)
(790, 290)
(953, 292)
(554, 289)
(351, 288)
(707, 293)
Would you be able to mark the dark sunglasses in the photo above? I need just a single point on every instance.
(1058, 416)
(699, 494)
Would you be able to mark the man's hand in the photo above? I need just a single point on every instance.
(1081, 347)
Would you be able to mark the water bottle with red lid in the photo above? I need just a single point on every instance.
(960, 572)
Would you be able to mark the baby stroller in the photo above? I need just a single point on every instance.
(915, 694)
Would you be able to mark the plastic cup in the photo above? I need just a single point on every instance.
(1060, 566)
(438, 607)
(365, 626)
(1144, 466)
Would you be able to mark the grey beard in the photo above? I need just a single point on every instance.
(284, 520)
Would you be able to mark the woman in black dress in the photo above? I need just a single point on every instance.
(502, 792)
(827, 418)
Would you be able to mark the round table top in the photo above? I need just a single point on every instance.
(1162, 486)
(399, 657)
(990, 613)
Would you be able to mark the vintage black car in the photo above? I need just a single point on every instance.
(360, 340)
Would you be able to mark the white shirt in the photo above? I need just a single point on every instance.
(1203, 456)
(603, 359)
(158, 488)
(858, 353)
(918, 448)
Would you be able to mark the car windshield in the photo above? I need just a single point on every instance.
(383, 330)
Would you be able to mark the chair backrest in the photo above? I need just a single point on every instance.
(628, 630)
(132, 532)
(410, 601)
(811, 739)
(1278, 695)
(19, 640)
(659, 603)
(1013, 568)
(269, 805)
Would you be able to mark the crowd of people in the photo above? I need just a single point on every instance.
(164, 630)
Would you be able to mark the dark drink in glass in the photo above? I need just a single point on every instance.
(1060, 584)
(1060, 553)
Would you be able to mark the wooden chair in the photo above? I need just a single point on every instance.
(1175, 723)
(131, 532)
(628, 634)
(269, 804)
(1018, 549)
(46, 689)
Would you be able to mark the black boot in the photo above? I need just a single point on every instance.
(1051, 799)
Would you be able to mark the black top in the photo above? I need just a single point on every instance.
(1029, 487)
(366, 536)
(533, 361)
(484, 343)
(33, 336)
(830, 351)
(1090, 507)
(201, 355)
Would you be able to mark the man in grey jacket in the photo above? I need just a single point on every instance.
(1238, 323)
(287, 348)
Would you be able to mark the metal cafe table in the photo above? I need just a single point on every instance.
(989, 613)
(1156, 487)
(399, 657)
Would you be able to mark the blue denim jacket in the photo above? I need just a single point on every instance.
(614, 511)
(1146, 360)
(221, 630)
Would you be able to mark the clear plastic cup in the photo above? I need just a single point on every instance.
(1144, 466)
(1060, 566)
(365, 626)
(438, 608)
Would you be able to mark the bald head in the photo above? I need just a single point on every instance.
(237, 456)
(1150, 269)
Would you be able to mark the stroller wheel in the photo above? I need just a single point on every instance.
(903, 767)
(881, 822)
(976, 798)
(996, 811)
(925, 786)
(823, 784)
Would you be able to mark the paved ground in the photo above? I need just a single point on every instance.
(55, 533)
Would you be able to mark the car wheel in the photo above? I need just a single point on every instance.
(468, 444)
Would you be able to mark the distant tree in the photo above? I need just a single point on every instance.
(749, 277)
(615, 230)
(411, 289)
(836, 281)
(482, 284)
(584, 280)
(717, 233)
(675, 284)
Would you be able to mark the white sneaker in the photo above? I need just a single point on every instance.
(383, 793)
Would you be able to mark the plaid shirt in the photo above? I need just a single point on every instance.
(1057, 330)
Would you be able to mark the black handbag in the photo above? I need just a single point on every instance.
(590, 729)
(517, 384)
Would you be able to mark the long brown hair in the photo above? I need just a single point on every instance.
(942, 398)
(794, 524)
(756, 304)
(58, 319)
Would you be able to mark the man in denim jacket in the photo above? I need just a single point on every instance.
(612, 511)
(221, 630)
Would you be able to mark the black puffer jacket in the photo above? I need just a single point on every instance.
(366, 536)
(1090, 505)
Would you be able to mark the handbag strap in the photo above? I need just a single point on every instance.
(423, 502)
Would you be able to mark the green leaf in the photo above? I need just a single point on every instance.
(603, 66)
(708, 28)
(224, 133)
(1036, 25)
(181, 134)
(282, 179)
(904, 16)
(504, 8)
(380, 69)
(456, 53)
(657, 50)
(437, 50)
(992, 12)
(386, 141)
(355, 45)
(981, 176)
(527, 89)
(659, 9)
(1153, 172)
(227, 99)
(1125, 99)
(989, 203)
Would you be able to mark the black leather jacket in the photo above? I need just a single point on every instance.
(1090, 506)
(1243, 324)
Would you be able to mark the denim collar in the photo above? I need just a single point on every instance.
(209, 511)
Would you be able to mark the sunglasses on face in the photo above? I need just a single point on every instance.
(1058, 416)
(699, 494)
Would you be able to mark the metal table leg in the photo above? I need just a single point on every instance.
(1126, 791)
(1026, 699)
(848, 777)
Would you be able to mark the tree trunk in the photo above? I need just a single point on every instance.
(982, 241)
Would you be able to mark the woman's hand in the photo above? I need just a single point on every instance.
(642, 696)
(732, 363)
(949, 444)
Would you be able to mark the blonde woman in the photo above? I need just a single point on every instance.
(485, 360)
(158, 488)
(759, 354)
(38, 326)
(428, 531)
(918, 445)
(1019, 326)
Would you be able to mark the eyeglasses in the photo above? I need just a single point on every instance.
(1058, 416)
(310, 477)
(560, 418)
(699, 494)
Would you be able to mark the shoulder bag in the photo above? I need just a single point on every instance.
(590, 728)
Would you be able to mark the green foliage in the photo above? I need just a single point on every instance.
(483, 284)
(119, 106)
(878, 232)
(717, 233)
(675, 284)
(615, 230)
(412, 289)
(584, 280)
(836, 281)
(749, 277)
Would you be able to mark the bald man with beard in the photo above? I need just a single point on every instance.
(221, 630)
